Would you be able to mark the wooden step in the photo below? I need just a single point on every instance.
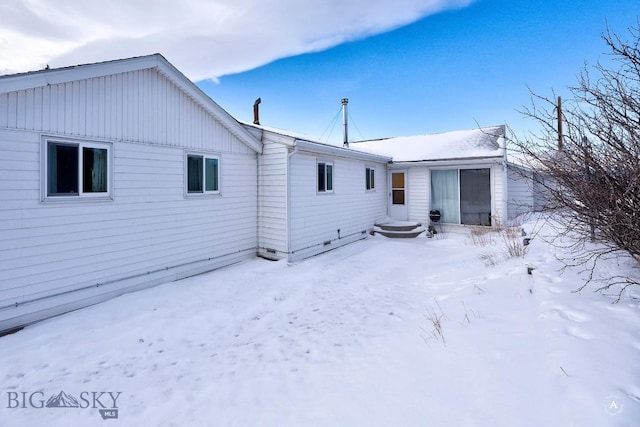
(412, 232)
(398, 226)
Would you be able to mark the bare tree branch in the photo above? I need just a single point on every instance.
(595, 178)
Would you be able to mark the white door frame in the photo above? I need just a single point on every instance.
(398, 211)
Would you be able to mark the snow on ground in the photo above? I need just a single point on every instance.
(383, 332)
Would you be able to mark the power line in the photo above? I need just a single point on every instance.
(356, 126)
(331, 126)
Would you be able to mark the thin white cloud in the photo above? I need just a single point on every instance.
(203, 38)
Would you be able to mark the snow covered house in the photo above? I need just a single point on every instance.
(313, 197)
(465, 175)
(121, 175)
(116, 176)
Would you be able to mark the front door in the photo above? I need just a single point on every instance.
(398, 202)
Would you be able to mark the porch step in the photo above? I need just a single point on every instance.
(399, 230)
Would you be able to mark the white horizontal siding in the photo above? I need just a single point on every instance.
(134, 106)
(272, 200)
(520, 192)
(542, 198)
(316, 217)
(51, 248)
(419, 190)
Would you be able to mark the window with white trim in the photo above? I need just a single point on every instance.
(77, 169)
(463, 196)
(325, 177)
(203, 174)
(370, 178)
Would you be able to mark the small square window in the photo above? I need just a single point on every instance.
(77, 169)
(370, 178)
(203, 174)
(325, 177)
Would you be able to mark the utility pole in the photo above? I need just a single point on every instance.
(586, 148)
(560, 137)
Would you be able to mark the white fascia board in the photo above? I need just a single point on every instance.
(208, 104)
(280, 139)
(470, 161)
(33, 79)
(335, 151)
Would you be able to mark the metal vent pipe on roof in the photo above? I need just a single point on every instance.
(345, 139)
(256, 111)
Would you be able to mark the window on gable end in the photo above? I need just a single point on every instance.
(203, 174)
(77, 169)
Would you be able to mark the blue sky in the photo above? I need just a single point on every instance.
(407, 66)
(451, 70)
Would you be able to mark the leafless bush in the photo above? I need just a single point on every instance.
(467, 320)
(489, 259)
(590, 171)
(482, 236)
(435, 317)
(512, 239)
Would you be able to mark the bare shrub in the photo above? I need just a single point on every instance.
(482, 236)
(512, 240)
(507, 239)
(435, 317)
(590, 171)
(489, 259)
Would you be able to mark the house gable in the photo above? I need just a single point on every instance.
(136, 123)
(137, 99)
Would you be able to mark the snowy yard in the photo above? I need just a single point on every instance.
(415, 332)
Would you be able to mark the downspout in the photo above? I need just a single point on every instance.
(259, 208)
(288, 201)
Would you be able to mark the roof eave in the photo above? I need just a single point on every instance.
(452, 161)
(42, 78)
(336, 151)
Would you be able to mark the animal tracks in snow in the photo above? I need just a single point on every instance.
(570, 314)
(578, 333)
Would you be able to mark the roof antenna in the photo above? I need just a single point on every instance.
(345, 138)
(256, 112)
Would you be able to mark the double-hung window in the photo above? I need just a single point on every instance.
(77, 169)
(325, 177)
(370, 178)
(203, 174)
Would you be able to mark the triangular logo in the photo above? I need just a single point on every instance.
(62, 400)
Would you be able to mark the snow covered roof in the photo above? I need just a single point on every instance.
(464, 144)
(278, 131)
(308, 143)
